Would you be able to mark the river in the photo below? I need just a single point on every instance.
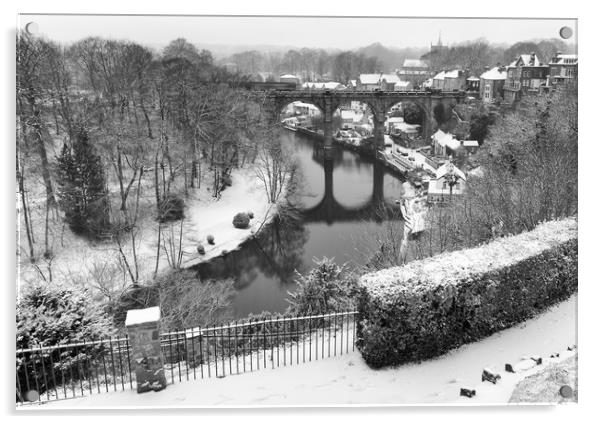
(334, 209)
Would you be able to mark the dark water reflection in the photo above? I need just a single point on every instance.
(333, 208)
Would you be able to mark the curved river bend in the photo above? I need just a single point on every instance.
(335, 207)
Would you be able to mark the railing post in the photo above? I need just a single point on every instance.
(143, 331)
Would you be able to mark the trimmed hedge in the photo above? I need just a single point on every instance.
(429, 307)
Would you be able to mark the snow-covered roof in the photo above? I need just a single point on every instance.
(439, 76)
(472, 78)
(377, 78)
(495, 74)
(402, 84)
(439, 135)
(564, 59)
(470, 143)
(524, 60)
(353, 83)
(333, 85)
(289, 76)
(414, 63)
(428, 83)
(448, 168)
(142, 316)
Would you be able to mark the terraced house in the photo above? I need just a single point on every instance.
(525, 75)
(563, 69)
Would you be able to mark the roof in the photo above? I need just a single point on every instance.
(428, 83)
(447, 74)
(393, 119)
(402, 84)
(439, 135)
(523, 60)
(299, 103)
(564, 59)
(414, 63)
(377, 78)
(289, 76)
(494, 74)
(471, 143)
(333, 85)
(473, 78)
(449, 168)
(142, 316)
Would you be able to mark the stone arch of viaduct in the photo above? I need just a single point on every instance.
(378, 101)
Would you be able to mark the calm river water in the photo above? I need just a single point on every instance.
(334, 209)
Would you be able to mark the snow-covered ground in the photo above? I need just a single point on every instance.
(207, 216)
(346, 379)
(76, 257)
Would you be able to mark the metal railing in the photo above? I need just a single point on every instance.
(47, 373)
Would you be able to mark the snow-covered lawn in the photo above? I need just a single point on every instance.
(346, 379)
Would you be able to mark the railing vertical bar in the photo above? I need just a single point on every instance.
(56, 393)
(186, 357)
(297, 322)
(290, 341)
(272, 343)
(323, 325)
(208, 356)
(264, 347)
(335, 334)
(193, 355)
(317, 341)
(120, 364)
(79, 371)
(112, 362)
(18, 380)
(201, 352)
(178, 358)
(88, 359)
(221, 333)
(277, 343)
(347, 334)
(284, 340)
(329, 333)
(236, 345)
(353, 333)
(62, 372)
(310, 350)
(127, 352)
(250, 332)
(341, 337)
(171, 365)
(215, 351)
(303, 332)
(71, 374)
(104, 365)
(40, 353)
(26, 371)
(229, 351)
(257, 343)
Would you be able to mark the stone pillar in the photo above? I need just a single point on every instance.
(143, 332)
(327, 111)
(379, 132)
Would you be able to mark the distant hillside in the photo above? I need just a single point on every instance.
(391, 57)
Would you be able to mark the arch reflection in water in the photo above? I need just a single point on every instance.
(313, 225)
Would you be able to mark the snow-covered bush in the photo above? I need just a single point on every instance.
(241, 220)
(200, 249)
(251, 214)
(210, 239)
(327, 288)
(428, 307)
(48, 315)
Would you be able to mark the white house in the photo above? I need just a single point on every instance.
(445, 144)
(373, 82)
(402, 86)
(449, 181)
(289, 78)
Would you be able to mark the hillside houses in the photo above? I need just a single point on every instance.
(371, 82)
(492, 84)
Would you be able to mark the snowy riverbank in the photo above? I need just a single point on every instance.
(346, 379)
(207, 216)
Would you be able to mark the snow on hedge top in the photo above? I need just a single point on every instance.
(452, 267)
(141, 316)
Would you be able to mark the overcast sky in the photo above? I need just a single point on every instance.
(342, 33)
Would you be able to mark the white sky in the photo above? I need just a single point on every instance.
(343, 33)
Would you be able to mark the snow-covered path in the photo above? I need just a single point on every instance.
(347, 380)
